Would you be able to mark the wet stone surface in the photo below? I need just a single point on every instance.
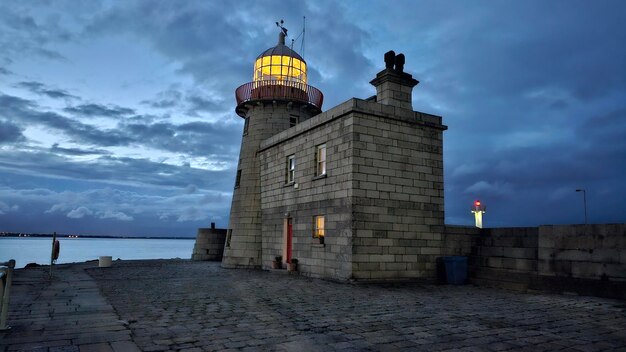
(187, 305)
(198, 306)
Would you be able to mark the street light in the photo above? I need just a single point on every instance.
(584, 202)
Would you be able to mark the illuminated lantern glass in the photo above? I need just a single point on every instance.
(477, 203)
(280, 64)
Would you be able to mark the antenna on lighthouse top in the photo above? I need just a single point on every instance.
(303, 31)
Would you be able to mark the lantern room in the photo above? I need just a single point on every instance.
(280, 74)
(280, 64)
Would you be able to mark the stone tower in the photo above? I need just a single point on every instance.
(278, 98)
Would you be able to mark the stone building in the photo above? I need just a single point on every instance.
(354, 192)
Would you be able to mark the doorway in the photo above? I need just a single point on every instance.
(288, 240)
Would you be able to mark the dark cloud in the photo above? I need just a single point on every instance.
(199, 104)
(10, 133)
(24, 32)
(41, 89)
(534, 94)
(26, 111)
(193, 138)
(166, 99)
(77, 151)
(4, 71)
(91, 110)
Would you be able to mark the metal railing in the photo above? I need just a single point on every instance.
(6, 276)
(279, 90)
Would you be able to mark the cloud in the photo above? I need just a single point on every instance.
(41, 89)
(5, 208)
(218, 139)
(117, 215)
(90, 110)
(4, 71)
(79, 213)
(486, 188)
(10, 133)
(77, 151)
(166, 99)
(191, 189)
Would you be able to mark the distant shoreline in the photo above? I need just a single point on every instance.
(38, 235)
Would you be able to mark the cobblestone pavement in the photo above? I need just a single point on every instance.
(65, 314)
(198, 306)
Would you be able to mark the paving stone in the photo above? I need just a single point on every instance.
(168, 305)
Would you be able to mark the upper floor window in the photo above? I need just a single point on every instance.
(291, 169)
(293, 120)
(320, 160)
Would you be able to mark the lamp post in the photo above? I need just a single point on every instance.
(584, 202)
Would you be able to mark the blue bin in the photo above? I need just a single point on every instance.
(456, 269)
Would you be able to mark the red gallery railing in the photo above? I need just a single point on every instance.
(279, 90)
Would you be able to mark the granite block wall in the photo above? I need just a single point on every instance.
(596, 252)
(310, 195)
(382, 196)
(586, 259)
(209, 244)
(397, 193)
(504, 257)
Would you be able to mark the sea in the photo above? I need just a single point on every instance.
(37, 249)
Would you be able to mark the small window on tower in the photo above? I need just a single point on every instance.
(291, 169)
(293, 120)
(320, 160)
(238, 179)
(246, 122)
(229, 233)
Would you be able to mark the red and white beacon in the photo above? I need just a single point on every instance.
(478, 209)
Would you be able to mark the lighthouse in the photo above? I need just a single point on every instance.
(478, 209)
(277, 98)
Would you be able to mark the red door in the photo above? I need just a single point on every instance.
(289, 239)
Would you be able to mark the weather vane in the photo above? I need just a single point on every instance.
(283, 29)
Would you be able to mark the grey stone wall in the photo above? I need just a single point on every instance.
(382, 196)
(398, 201)
(505, 257)
(266, 119)
(209, 244)
(596, 252)
(328, 195)
(587, 259)
(459, 240)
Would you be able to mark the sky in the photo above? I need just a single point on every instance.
(117, 117)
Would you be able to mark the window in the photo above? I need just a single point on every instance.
(320, 160)
(293, 120)
(238, 179)
(291, 169)
(229, 234)
(280, 68)
(246, 122)
(318, 227)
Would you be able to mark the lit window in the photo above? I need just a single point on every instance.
(280, 68)
(318, 226)
(238, 179)
(320, 158)
(291, 169)
(246, 122)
